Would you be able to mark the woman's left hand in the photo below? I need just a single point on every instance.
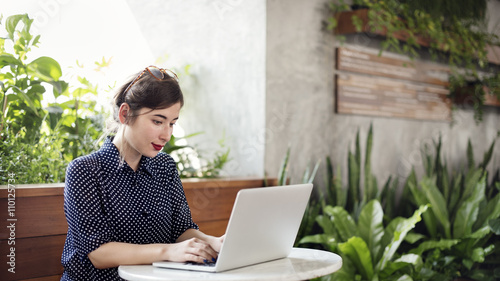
(216, 242)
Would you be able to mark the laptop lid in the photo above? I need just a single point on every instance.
(263, 226)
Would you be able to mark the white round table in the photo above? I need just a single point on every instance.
(301, 264)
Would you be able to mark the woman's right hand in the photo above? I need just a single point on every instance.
(193, 250)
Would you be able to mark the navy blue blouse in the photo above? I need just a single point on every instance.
(105, 201)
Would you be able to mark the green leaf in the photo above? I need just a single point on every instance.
(480, 233)
(412, 238)
(323, 239)
(354, 175)
(370, 226)
(357, 251)
(467, 213)
(309, 178)
(438, 204)
(27, 99)
(59, 87)
(8, 59)
(45, 68)
(402, 228)
(370, 181)
(11, 24)
(431, 245)
(346, 273)
(455, 194)
(329, 182)
(468, 263)
(343, 222)
(491, 211)
(326, 224)
(470, 155)
(429, 217)
(283, 172)
(487, 155)
(495, 226)
(402, 262)
(340, 192)
(405, 277)
(478, 255)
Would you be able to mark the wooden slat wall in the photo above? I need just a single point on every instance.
(41, 225)
(368, 84)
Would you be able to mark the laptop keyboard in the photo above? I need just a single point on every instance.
(209, 264)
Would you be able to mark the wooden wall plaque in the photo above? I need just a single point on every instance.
(368, 84)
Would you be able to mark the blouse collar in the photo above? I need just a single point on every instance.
(114, 163)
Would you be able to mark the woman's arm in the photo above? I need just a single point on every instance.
(192, 245)
(113, 254)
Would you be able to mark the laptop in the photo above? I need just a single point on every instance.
(263, 226)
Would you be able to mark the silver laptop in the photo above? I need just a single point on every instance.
(262, 227)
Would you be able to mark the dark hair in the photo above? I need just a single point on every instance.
(147, 92)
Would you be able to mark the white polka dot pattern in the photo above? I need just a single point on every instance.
(106, 201)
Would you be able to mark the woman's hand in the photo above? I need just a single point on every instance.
(216, 242)
(193, 249)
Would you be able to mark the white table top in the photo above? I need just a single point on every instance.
(301, 264)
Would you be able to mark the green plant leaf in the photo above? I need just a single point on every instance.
(309, 177)
(11, 24)
(430, 220)
(324, 239)
(431, 245)
(59, 87)
(27, 99)
(334, 191)
(283, 172)
(370, 181)
(478, 255)
(412, 237)
(470, 155)
(406, 195)
(45, 68)
(495, 226)
(487, 155)
(354, 176)
(370, 227)
(327, 225)
(455, 194)
(479, 234)
(402, 228)
(471, 179)
(340, 192)
(467, 213)
(402, 262)
(343, 222)
(438, 204)
(346, 273)
(357, 251)
(8, 59)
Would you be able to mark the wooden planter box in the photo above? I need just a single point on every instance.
(465, 96)
(345, 26)
(40, 224)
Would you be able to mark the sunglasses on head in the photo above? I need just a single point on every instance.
(156, 72)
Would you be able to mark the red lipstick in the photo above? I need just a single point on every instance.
(157, 147)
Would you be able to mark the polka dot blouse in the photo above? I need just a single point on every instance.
(106, 201)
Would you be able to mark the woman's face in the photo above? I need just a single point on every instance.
(151, 130)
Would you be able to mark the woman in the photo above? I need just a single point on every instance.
(125, 203)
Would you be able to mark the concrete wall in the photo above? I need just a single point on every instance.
(300, 105)
(263, 73)
(224, 42)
